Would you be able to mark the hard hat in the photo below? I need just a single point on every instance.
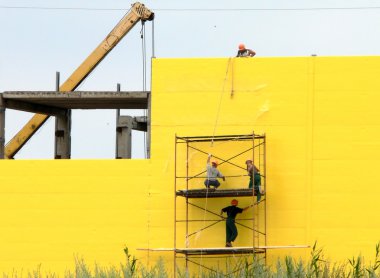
(234, 202)
(214, 162)
(241, 46)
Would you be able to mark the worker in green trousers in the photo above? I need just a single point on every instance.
(254, 178)
(231, 230)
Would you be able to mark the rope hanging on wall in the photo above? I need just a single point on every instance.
(213, 136)
(221, 97)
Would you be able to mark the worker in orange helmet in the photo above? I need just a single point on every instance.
(245, 52)
(231, 230)
(212, 174)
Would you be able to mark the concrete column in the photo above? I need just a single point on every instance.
(62, 146)
(124, 137)
(2, 127)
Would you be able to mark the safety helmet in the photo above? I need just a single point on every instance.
(214, 163)
(234, 202)
(241, 46)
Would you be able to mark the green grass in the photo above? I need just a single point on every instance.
(315, 267)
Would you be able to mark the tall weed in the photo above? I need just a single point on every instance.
(247, 266)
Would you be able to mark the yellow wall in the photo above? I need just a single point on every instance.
(52, 211)
(321, 119)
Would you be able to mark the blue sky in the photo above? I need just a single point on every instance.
(42, 37)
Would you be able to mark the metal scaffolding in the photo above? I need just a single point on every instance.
(254, 149)
(187, 172)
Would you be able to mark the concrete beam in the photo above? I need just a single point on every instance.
(137, 123)
(34, 108)
(82, 100)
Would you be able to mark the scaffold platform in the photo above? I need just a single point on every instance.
(215, 193)
(222, 250)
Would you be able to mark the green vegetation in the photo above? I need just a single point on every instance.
(317, 267)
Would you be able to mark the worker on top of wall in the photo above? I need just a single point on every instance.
(245, 52)
(254, 178)
(212, 174)
(231, 230)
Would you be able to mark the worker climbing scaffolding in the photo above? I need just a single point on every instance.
(231, 230)
(254, 178)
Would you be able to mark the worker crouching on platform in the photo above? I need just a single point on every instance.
(245, 52)
(231, 230)
(254, 178)
(212, 174)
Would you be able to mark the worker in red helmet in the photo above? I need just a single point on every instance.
(212, 174)
(231, 230)
(245, 52)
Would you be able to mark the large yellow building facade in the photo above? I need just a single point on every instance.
(321, 120)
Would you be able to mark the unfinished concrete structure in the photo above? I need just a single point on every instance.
(60, 105)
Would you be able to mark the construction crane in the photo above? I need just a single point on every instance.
(137, 12)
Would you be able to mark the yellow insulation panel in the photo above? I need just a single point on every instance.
(321, 120)
(52, 211)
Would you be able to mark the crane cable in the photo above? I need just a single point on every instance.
(143, 54)
(153, 54)
(143, 49)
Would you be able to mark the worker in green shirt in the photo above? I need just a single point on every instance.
(254, 178)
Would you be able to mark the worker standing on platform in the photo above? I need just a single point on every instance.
(245, 52)
(231, 230)
(212, 174)
(254, 178)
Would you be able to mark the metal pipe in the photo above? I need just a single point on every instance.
(175, 206)
(253, 193)
(187, 204)
(117, 123)
(57, 80)
(265, 200)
